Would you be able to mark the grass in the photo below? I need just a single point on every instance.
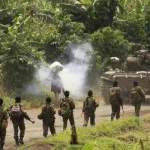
(123, 134)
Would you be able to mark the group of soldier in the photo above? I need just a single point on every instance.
(67, 105)
(137, 97)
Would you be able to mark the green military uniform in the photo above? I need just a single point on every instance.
(114, 99)
(3, 116)
(136, 102)
(66, 106)
(89, 107)
(19, 124)
(48, 112)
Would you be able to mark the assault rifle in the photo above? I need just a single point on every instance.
(25, 115)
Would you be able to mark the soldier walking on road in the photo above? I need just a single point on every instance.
(3, 124)
(89, 108)
(137, 97)
(48, 117)
(66, 109)
(17, 116)
(115, 100)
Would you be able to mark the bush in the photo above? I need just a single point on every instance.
(108, 43)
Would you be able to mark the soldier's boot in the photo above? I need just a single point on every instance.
(45, 136)
(17, 142)
(2, 145)
(85, 125)
(21, 141)
(112, 117)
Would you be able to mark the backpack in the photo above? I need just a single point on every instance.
(114, 95)
(65, 109)
(135, 97)
(16, 112)
(49, 111)
(90, 104)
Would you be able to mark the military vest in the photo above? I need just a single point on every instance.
(135, 96)
(65, 107)
(114, 94)
(90, 104)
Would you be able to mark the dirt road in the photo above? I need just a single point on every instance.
(34, 131)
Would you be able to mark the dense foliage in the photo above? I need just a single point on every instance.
(32, 32)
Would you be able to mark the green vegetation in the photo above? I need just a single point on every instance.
(35, 32)
(124, 134)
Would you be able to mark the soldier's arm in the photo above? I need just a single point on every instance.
(72, 104)
(60, 103)
(83, 110)
(96, 103)
(26, 116)
(53, 110)
(5, 115)
(109, 96)
(142, 93)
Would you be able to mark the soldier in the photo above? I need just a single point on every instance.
(3, 124)
(56, 86)
(137, 97)
(17, 116)
(48, 118)
(66, 110)
(115, 100)
(89, 108)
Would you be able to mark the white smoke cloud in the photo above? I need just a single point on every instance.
(73, 75)
(41, 80)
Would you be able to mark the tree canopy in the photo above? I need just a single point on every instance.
(32, 32)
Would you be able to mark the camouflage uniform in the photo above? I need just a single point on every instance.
(3, 116)
(48, 119)
(89, 107)
(138, 103)
(70, 115)
(19, 124)
(114, 101)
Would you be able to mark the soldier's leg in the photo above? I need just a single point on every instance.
(52, 128)
(137, 110)
(118, 112)
(65, 123)
(45, 129)
(15, 126)
(113, 112)
(57, 98)
(92, 119)
(71, 119)
(2, 138)
(86, 119)
(22, 131)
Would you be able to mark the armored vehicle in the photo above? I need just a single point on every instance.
(135, 68)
